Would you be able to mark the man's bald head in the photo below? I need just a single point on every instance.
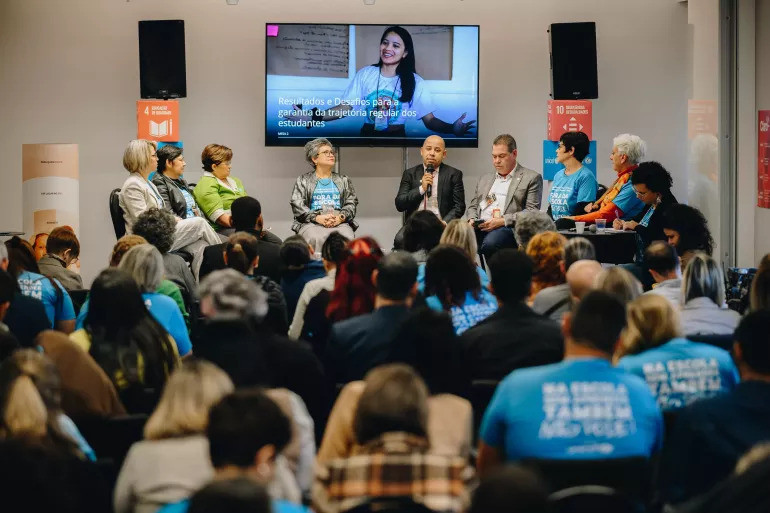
(581, 276)
(433, 151)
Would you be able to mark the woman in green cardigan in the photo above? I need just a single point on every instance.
(217, 190)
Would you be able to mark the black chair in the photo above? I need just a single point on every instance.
(112, 438)
(78, 297)
(722, 341)
(630, 477)
(390, 505)
(116, 213)
(482, 391)
(583, 499)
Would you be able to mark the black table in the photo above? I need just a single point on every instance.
(611, 247)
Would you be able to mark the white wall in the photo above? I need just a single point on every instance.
(69, 73)
(762, 215)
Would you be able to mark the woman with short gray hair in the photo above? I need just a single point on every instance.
(619, 200)
(703, 295)
(530, 223)
(323, 200)
(228, 295)
(145, 265)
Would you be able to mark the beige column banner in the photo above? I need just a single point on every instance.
(50, 188)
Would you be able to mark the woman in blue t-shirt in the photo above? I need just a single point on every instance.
(57, 302)
(452, 284)
(323, 201)
(574, 186)
(677, 370)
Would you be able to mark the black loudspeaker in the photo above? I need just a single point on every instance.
(162, 69)
(573, 61)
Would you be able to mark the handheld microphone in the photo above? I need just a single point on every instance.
(429, 189)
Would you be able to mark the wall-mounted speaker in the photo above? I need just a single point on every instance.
(573, 61)
(162, 68)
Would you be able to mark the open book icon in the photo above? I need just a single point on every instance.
(161, 129)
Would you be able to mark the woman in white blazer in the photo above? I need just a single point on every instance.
(139, 194)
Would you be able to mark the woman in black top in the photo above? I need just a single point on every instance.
(652, 184)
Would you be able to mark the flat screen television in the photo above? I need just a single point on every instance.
(371, 85)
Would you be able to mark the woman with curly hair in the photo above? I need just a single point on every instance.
(687, 230)
(546, 249)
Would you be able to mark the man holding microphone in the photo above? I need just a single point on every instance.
(432, 186)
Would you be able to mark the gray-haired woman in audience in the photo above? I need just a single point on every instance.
(703, 294)
(323, 200)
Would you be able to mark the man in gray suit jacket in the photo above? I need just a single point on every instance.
(499, 197)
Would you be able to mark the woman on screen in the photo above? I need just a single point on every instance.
(323, 201)
(391, 92)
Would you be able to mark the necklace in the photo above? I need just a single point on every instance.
(383, 121)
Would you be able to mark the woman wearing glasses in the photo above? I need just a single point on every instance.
(323, 201)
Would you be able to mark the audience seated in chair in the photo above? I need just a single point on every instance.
(247, 432)
(531, 223)
(703, 294)
(678, 371)
(299, 267)
(710, 435)
(233, 337)
(145, 265)
(514, 336)
(242, 254)
(166, 287)
(555, 301)
(394, 458)
(620, 283)
(422, 233)
(332, 253)
(247, 217)
(662, 262)
(581, 278)
(62, 249)
(8, 342)
(452, 284)
(172, 461)
(31, 410)
(23, 267)
(156, 226)
(25, 316)
(360, 343)
(546, 249)
(119, 324)
(536, 412)
(426, 341)
(460, 234)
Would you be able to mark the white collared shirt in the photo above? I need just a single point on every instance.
(498, 191)
(432, 202)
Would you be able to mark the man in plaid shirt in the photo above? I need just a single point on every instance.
(393, 459)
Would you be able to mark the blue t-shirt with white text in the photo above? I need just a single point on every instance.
(325, 193)
(581, 408)
(471, 313)
(165, 311)
(680, 372)
(58, 304)
(628, 202)
(569, 190)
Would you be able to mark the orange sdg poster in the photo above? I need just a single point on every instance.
(157, 120)
(569, 116)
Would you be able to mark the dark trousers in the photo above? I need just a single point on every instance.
(499, 238)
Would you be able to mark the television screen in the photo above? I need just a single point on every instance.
(367, 85)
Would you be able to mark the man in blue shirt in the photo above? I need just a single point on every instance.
(580, 408)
